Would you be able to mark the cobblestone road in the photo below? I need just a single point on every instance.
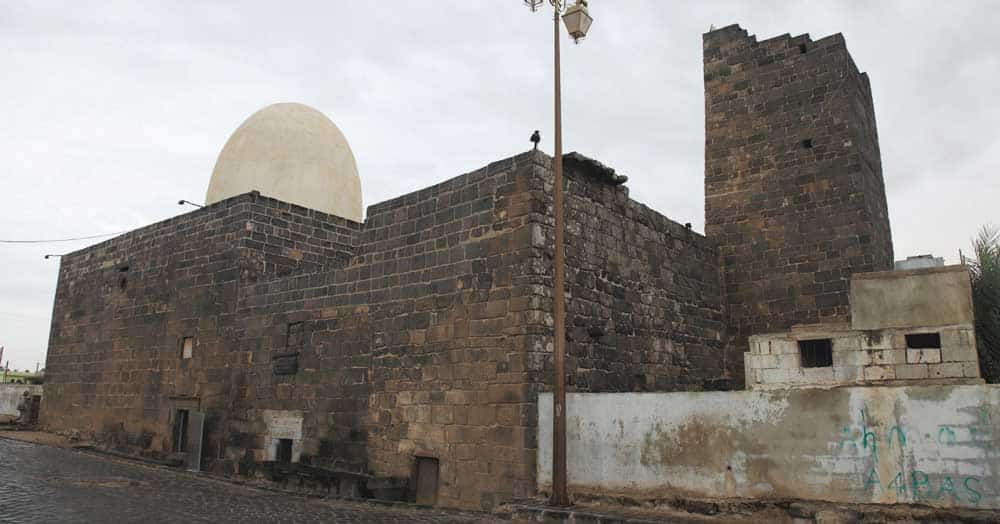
(48, 484)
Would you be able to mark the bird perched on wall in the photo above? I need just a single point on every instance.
(536, 137)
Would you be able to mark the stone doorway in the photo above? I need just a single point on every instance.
(427, 481)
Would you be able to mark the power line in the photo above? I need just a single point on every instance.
(58, 239)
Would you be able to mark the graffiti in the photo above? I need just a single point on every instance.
(946, 436)
(867, 440)
(919, 486)
(869, 437)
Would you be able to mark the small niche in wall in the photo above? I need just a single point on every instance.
(187, 347)
(816, 353)
(123, 277)
(807, 143)
(803, 49)
(923, 341)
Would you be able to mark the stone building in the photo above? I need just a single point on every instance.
(404, 355)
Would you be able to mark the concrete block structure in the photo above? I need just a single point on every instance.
(906, 326)
(404, 356)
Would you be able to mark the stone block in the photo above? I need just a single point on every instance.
(851, 343)
(923, 356)
(818, 375)
(888, 356)
(971, 369)
(507, 393)
(773, 376)
(784, 347)
(946, 370)
(789, 360)
(876, 340)
(443, 414)
(847, 374)
(879, 373)
(958, 352)
(911, 371)
(852, 358)
(763, 361)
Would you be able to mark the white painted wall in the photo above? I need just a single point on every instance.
(10, 395)
(282, 425)
(936, 445)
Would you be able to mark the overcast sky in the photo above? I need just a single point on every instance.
(112, 111)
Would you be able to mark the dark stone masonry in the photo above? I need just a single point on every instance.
(376, 358)
(794, 196)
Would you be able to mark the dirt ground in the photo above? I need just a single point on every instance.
(37, 437)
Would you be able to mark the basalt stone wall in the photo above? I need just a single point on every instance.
(114, 369)
(644, 309)
(794, 195)
(420, 347)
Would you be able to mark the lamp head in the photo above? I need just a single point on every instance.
(578, 20)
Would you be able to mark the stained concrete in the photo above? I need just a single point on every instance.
(934, 445)
(913, 298)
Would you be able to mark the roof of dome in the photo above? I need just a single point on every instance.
(293, 153)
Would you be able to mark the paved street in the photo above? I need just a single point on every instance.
(49, 484)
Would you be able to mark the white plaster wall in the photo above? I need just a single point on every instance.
(935, 445)
(282, 424)
(10, 395)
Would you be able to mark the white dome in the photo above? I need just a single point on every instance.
(293, 153)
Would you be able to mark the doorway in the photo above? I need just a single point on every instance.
(427, 481)
(180, 430)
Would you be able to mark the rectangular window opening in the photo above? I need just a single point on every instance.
(923, 341)
(284, 451)
(816, 353)
(807, 143)
(803, 48)
(187, 347)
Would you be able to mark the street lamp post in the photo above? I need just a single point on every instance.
(577, 21)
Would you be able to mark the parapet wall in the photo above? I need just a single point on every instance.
(644, 296)
(918, 444)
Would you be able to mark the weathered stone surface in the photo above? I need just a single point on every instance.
(427, 331)
(794, 194)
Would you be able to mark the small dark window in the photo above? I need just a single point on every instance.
(923, 341)
(816, 353)
(802, 48)
(284, 451)
(807, 143)
(123, 277)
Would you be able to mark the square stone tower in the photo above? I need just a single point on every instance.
(794, 195)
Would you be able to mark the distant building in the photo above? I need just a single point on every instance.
(919, 262)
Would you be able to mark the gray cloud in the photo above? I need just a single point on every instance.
(112, 111)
